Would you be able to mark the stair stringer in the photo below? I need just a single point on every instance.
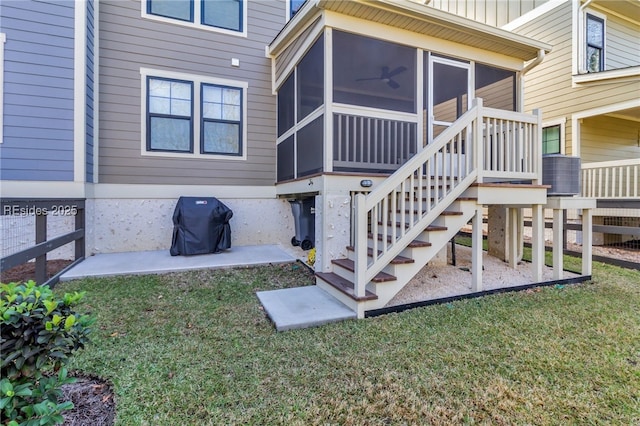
(421, 255)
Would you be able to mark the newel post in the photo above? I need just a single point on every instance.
(537, 147)
(478, 145)
(360, 243)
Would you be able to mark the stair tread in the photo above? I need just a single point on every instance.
(412, 244)
(396, 261)
(429, 228)
(344, 285)
(349, 266)
(444, 213)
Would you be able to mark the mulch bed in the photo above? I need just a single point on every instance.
(27, 271)
(93, 402)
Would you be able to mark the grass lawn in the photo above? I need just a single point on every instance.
(196, 349)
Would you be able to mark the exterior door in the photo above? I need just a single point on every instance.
(449, 95)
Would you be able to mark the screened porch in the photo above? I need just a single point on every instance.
(351, 103)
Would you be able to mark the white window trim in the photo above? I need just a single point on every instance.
(3, 39)
(582, 41)
(197, 7)
(562, 123)
(196, 114)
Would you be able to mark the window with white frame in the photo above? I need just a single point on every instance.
(594, 43)
(193, 116)
(294, 6)
(218, 15)
(553, 137)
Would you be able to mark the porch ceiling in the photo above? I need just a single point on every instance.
(417, 18)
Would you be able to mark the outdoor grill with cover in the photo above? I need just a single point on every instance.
(200, 225)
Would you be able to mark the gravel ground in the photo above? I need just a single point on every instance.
(434, 282)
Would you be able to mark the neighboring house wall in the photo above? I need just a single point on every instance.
(129, 43)
(38, 137)
(492, 12)
(549, 85)
(606, 138)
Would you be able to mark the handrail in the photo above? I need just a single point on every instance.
(482, 143)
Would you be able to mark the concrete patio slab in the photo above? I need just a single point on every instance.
(160, 261)
(302, 307)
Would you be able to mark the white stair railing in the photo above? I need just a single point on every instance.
(483, 143)
(611, 179)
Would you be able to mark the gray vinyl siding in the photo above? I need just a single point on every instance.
(129, 42)
(38, 91)
(89, 134)
(622, 44)
(492, 12)
(287, 55)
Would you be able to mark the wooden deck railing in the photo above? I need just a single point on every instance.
(611, 179)
(483, 144)
(41, 209)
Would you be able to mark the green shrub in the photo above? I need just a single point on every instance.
(39, 334)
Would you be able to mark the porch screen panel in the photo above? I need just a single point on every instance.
(285, 157)
(286, 105)
(497, 87)
(310, 79)
(373, 73)
(309, 152)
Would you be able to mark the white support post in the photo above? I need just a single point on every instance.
(558, 248)
(477, 141)
(513, 237)
(360, 252)
(328, 101)
(476, 247)
(537, 147)
(587, 241)
(537, 242)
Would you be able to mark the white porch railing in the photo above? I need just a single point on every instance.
(483, 144)
(611, 179)
(372, 143)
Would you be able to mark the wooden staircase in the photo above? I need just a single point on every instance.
(403, 267)
(406, 220)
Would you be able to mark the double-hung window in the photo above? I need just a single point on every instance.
(219, 15)
(169, 115)
(595, 30)
(221, 120)
(193, 116)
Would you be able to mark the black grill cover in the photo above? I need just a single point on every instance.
(200, 225)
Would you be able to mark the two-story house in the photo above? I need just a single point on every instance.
(400, 120)
(589, 89)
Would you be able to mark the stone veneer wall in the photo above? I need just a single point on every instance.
(121, 225)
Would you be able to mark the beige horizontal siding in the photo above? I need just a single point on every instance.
(622, 47)
(492, 12)
(128, 42)
(608, 139)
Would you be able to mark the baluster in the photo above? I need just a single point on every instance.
(410, 220)
(403, 202)
(374, 228)
(385, 225)
(427, 207)
(419, 200)
(394, 207)
(375, 141)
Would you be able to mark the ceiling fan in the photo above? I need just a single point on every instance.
(386, 76)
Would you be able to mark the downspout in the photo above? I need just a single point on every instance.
(529, 67)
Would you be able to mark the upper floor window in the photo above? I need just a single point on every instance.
(219, 15)
(294, 6)
(193, 116)
(595, 30)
